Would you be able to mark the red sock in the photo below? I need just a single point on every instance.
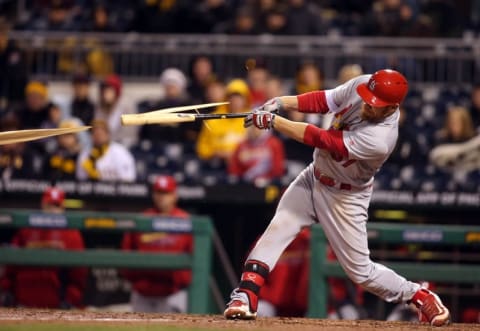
(253, 278)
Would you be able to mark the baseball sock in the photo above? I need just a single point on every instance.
(253, 278)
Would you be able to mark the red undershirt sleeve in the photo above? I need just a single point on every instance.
(313, 102)
(330, 140)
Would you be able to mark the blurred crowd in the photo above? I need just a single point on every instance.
(287, 17)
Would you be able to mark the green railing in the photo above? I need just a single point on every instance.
(199, 261)
(443, 235)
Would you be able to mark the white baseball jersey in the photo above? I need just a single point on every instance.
(368, 144)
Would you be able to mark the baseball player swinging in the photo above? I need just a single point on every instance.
(335, 189)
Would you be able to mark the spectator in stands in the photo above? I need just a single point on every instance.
(56, 16)
(14, 72)
(159, 16)
(243, 24)
(100, 19)
(18, 160)
(152, 290)
(208, 14)
(349, 71)
(35, 111)
(106, 160)
(174, 84)
(61, 164)
(81, 106)
(407, 151)
(257, 77)
(55, 116)
(112, 104)
(276, 21)
(395, 18)
(46, 287)
(274, 87)
(99, 62)
(303, 18)
(308, 78)
(201, 74)
(219, 139)
(258, 159)
(458, 126)
(215, 92)
(475, 106)
(445, 17)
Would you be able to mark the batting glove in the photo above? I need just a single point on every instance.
(260, 119)
(273, 105)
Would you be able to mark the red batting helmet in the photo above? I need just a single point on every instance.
(385, 88)
(164, 184)
(53, 196)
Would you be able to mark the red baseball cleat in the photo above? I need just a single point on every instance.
(239, 307)
(430, 308)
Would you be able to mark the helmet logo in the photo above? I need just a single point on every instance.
(372, 84)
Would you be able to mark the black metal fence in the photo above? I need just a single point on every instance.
(54, 55)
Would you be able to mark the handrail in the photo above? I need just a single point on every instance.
(199, 261)
(434, 60)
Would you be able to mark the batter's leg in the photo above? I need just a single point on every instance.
(343, 216)
(294, 211)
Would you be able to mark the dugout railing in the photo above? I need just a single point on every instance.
(439, 235)
(199, 261)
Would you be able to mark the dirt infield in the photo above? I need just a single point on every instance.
(18, 316)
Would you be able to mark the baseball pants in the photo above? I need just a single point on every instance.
(343, 217)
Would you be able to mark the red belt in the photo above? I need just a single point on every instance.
(329, 181)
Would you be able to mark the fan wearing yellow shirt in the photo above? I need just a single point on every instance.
(219, 139)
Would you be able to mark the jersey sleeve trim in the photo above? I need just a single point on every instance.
(313, 102)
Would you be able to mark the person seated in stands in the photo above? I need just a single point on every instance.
(46, 287)
(308, 78)
(201, 74)
(35, 111)
(100, 20)
(113, 104)
(257, 78)
(407, 150)
(349, 71)
(215, 91)
(14, 70)
(81, 106)
(219, 139)
(105, 160)
(458, 126)
(285, 292)
(18, 160)
(303, 18)
(61, 164)
(258, 159)
(475, 107)
(244, 23)
(174, 85)
(160, 290)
